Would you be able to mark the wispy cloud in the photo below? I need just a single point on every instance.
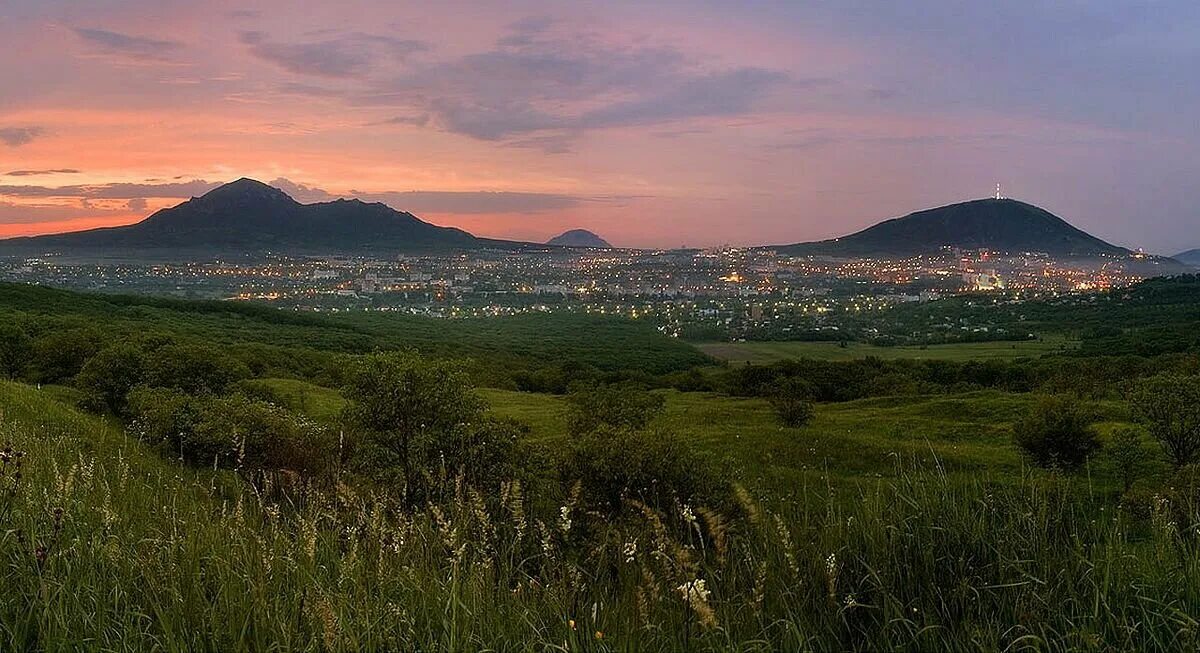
(127, 46)
(33, 173)
(18, 136)
(349, 55)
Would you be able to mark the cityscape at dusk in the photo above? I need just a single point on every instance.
(675, 326)
(663, 125)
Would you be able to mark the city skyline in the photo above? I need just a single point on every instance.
(652, 125)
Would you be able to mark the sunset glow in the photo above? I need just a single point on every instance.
(661, 125)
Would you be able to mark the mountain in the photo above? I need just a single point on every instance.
(1002, 225)
(1190, 257)
(579, 238)
(247, 216)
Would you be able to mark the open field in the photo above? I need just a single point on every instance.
(769, 352)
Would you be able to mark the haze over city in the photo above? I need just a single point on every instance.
(677, 123)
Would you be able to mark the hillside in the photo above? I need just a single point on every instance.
(1002, 225)
(247, 216)
(579, 238)
(1190, 257)
(299, 342)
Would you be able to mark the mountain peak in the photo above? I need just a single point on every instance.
(579, 238)
(247, 191)
(1005, 225)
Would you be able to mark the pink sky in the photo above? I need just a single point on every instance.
(652, 124)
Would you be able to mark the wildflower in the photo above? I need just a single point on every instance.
(695, 593)
(599, 634)
(630, 551)
(564, 519)
(571, 624)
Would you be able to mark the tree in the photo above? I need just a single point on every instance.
(14, 349)
(1169, 406)
(194, 369)
(1057, 433)
(1127, 454)
(791, 399)
(59, 355)
(108, 376)
(399, 403)
(620, 406)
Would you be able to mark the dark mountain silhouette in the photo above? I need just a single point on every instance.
(1001, 225)
(249, 216)
(1190, 257)
(579, 238)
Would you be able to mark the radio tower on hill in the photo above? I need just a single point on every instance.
(998, 195)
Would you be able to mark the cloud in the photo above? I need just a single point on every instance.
(350, 55)
(539, 87)
(457, 202)
(31, 173)
(118, 191)
(11, 213)
(136, 204)
(18, 136)
(126, 46)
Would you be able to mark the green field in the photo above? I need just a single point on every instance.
(769, 352)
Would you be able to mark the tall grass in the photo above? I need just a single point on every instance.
(104, 546)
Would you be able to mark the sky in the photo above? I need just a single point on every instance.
(654, 124)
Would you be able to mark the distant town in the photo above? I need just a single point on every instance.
(711, 294)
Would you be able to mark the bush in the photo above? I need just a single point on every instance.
(1127, 455)
(194, 369)
(791, 400)
(234, 432)
(59, 355)
(1169, 406)
(109, 376)
(1057, 433)
(15, 348)
(655, 467)
(617, 406)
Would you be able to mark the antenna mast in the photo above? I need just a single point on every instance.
(998, 195)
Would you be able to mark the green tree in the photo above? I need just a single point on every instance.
(792, 399)
(619, 406)
(400, 403)
(15, 347)
(108, 376)
(59, 355)
(1127, 455)
(194, 369)
(1169, 406)
(1057, 433)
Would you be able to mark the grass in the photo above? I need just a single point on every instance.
(769, 352)
(107, 546)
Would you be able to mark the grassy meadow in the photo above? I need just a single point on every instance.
(188, 477)
(108, 546)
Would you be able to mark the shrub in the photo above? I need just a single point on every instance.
(108, 376)
(60, 355)
(1127, 455)
(194, 369)
(1169, 406)
(617, 406)
(791, 400)
(655, 467)
(1057, 433)
(15, 347)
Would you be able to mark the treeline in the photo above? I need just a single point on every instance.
(1093, 377)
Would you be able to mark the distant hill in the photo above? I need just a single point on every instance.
(579, 238)
(250, 216)
(1190, 257)
(1002, 225)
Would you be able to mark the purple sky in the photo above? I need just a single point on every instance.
(651, 123)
